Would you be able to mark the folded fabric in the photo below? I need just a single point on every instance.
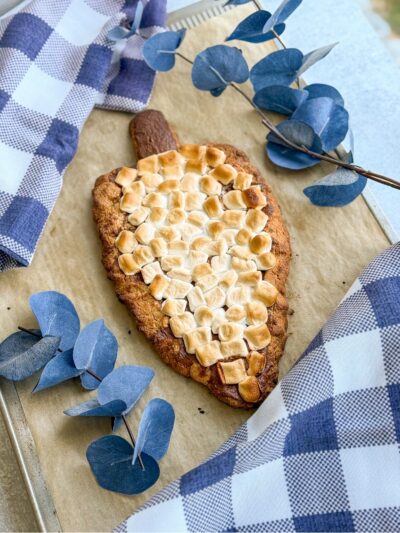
(56, 63)
(322, 452)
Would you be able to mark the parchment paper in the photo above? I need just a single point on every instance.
(330, 247)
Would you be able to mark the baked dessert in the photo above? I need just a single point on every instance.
(197, 248)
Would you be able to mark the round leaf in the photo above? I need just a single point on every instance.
(217, 66)
(56, 316)
(251, 29)
(337, 189)
(95, 349)
(60, 368)
(110, 459)
(278, 68)
(280, 99)
(159, 50)
(93, 408)
(316, 90)
(22, 354)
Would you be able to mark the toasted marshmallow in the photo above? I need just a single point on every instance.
(190, 182)
(208, 354)
(158, 286)
(195, 338)
(151, 181)
(155, 199)
(138, 216)
(195, 298)
(168, 186)
(126, 242)
(228, 280)
(204, 315)
(148, 164)
(224, 173)
(210, 186)
(221, 263)
(197, 218)
(136, 187)
(157, 215)
(214, 156)
(176, 216)
(261, 243)
(238, 295)
(177, 289)
(256, 313)
(150, 271)
(126, 176)
(128, 264)
(249, 389)
(213, 207)
(258, 336)
(234, 218)
(230, 236)
(243, 236)
(196, 257)
(193, 151)
(232, 372)
(253, 197)
(143, 255)
(266, 261)
(235, 313)
(189, 231)
(256, 220)
(182, 323)
(242, 252)
(180, 273)
(194, 201)
(169, 233)
(158, 247)
(173, 171)
(256, 363)
(196, 165)
(177, 200)
(235, 347)
(200, 243)
(242, 181)
(218, 320)
(234, 200)
(171, 261)
(207, 282)
(200, 270)
(215, 298)
(172, 307)
(130, 201)
(230, 331)
(215, 228)
(249, 277)
(218, 247)
(266, 293)
(243, 265)
(178, 248)
(172, 157)
(145, 233)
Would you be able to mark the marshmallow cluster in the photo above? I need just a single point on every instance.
(198, 237)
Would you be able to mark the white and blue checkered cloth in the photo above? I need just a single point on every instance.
(55, 65)
(322, 452)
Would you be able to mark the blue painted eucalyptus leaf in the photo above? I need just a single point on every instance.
(94, 408)
(159, 50)
(300, 134)
(337, 189)
(118, 33)
(313, 57)
(110, 459)
(237, 2)
(277, 68)
(215, 67)
(56, 316)
(155, 429)
(329, 121)
(316, 90)
(284, 10)
(280, 99)
(22, 354)
(251, 29)
(95, 349)
(60, 368)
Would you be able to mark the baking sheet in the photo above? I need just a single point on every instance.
(330, 247)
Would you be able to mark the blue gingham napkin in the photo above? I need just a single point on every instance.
(56, 63)
(322, 452)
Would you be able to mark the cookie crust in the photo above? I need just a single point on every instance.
(147, 134)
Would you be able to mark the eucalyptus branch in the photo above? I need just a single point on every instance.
(322, 157)
(258, 5)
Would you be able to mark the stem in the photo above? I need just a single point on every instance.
(99, 379)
